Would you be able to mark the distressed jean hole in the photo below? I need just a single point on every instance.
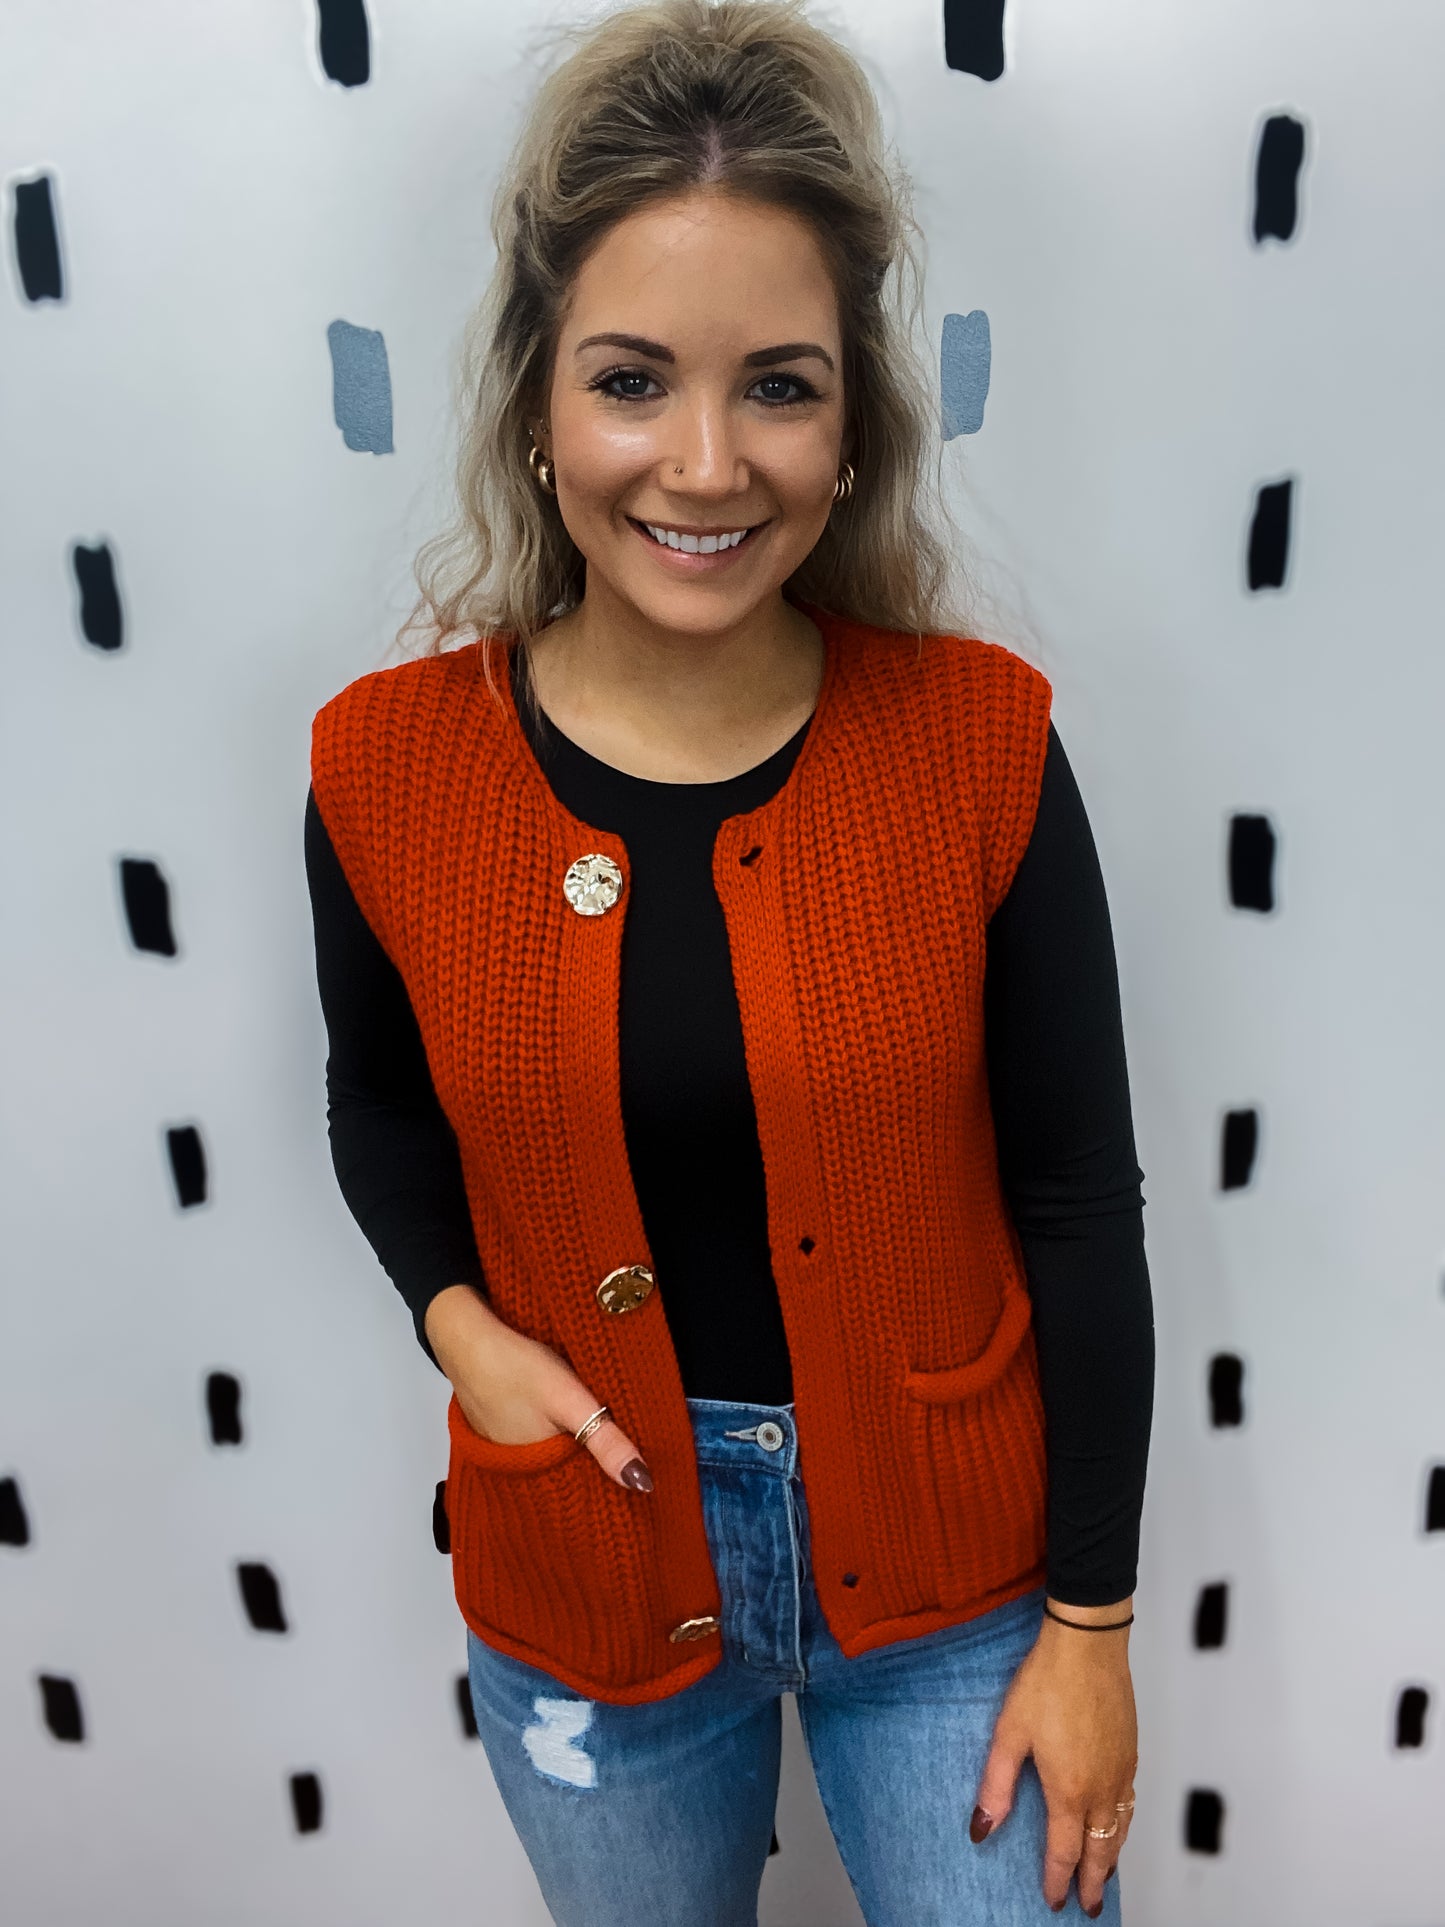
(553, 1741)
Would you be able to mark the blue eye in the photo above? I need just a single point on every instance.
(785, 389)
(624, 384)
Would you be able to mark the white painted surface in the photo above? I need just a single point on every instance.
(220, 205)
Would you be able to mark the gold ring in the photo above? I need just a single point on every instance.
(1102, 1833)
(589, 1426)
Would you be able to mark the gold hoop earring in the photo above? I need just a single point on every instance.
(542, 471)
(843, 487)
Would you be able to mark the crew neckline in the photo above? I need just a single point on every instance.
(556, 741)
(833, 630)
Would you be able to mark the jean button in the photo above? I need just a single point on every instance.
(770, 1436)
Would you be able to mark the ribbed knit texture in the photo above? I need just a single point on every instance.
(856, 900)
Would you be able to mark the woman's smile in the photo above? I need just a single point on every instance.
(688, 549)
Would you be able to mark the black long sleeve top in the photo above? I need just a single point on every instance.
(1058, 1085)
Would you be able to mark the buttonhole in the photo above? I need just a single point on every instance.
(751, 856)
(806, 1246)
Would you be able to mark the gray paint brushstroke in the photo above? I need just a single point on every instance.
(965, 363)
(360, 387)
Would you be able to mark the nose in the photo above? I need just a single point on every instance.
(706, 459)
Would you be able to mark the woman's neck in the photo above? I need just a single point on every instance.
(677, 707)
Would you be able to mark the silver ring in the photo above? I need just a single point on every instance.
(1102, 1833)
(589, 1426)
(1124, 1806)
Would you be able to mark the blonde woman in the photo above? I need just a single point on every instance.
(726, 1057)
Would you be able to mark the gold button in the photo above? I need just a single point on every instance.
(625, 1288)
(592, 884)
(694, 1628)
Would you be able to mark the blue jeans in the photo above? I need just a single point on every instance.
(661, 1815)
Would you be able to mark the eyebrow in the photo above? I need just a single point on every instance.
(760, 358)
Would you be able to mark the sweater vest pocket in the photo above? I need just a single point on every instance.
(977, 1436)
(965, 1381)
(550, 1561)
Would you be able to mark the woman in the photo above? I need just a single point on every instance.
(726, 1058)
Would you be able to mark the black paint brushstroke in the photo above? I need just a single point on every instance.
(306, 1802)
(188, 1164)
(147, 899)
(1410, 1711)
(1203, 1821)
(343, 41)
(1239, 1147)
(60, 1702)
(1252, 849)
(261, 1596)
(973, 37)
(14, 1520)
(466, 1712)
(1267, 562)
(1211, 1617)
(37, 243)
(1226, 1390)
(223, 1408)
(100, 617)
(1277, 166)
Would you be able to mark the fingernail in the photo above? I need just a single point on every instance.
(979, 1825)
(1058, 1906)
(1094, 1912)
(636, 1474)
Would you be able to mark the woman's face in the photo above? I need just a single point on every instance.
(697, 397)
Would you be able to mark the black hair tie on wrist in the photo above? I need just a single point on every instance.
(1079, 1627)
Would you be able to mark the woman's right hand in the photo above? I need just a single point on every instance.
(514, 1390)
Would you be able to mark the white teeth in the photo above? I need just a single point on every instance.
(694, 544)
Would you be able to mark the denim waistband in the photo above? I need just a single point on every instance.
(725, 1432)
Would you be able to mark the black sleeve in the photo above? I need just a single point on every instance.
(1060, 1094)
(394, 1150)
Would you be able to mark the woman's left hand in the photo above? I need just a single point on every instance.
(1070, 1705)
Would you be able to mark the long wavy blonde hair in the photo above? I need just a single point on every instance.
(746, 96)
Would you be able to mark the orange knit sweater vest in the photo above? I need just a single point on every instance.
(855, 900)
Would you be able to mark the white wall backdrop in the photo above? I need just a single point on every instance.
(218, 202)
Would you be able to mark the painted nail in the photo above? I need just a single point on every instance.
(1058, 1906)
(979, 1825)
(636, 1474)
(1094, 1912)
